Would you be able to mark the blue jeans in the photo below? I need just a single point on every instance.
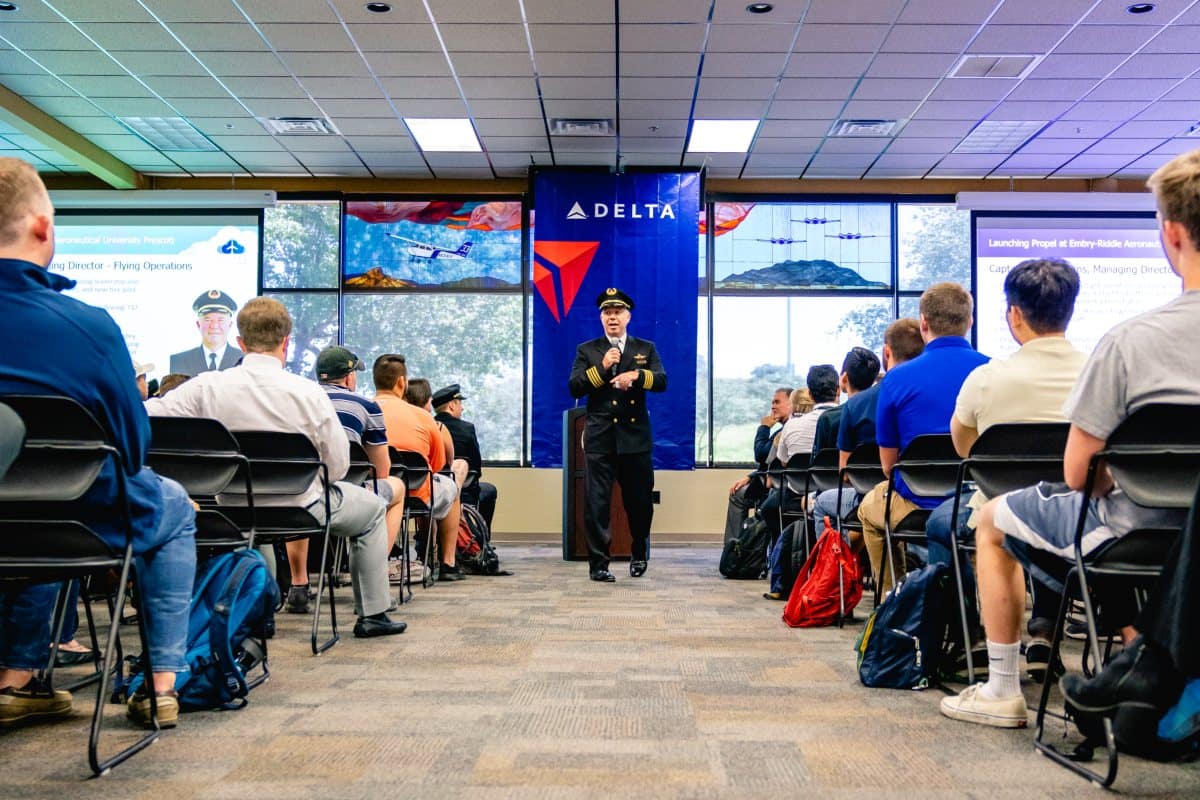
(937, 532)
(165, 564)
(827, 506)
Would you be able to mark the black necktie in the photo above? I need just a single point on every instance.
(212, 360)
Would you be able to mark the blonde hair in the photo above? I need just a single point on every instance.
(802, 401)
(1176, 187)
(263, 324)
(947, 309)
(21, 193)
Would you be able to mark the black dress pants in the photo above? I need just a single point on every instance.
(634, 472)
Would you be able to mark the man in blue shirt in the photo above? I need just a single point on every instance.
(69, 334)
(902, 342)
(914, 399)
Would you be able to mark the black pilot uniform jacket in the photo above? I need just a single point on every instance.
(617, 421)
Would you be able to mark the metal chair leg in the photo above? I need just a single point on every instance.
(322, 577)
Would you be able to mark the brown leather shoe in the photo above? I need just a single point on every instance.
(168, 708)
(31, 703)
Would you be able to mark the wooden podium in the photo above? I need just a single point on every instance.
(574, 538)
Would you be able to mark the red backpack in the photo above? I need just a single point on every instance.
(830, 571)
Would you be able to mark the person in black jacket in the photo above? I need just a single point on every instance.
(750, 489)
(448, 405)
(614, 372)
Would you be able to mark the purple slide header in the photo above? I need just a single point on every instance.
(1067, 243)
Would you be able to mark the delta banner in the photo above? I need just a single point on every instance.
(635, 232)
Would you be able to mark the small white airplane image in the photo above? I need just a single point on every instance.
(423, 250)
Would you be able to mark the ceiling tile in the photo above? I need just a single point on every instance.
(146, 35)
(1046, 161)
(954, 109)
(1080, 129)
(38, 86)
(879, 109)
(326, 65)
(395, 141)
(499, 88)
(785, 146)
(485, 11)
(581, 38)
(827, 65)
(245, 64)
(249, 144)
(1162, 129)
(750, 38)
(47, 36)
(596, 65)
(743, 65)
(1052, 89)
(434, 64)
(815, 88)
(600, 88)
(855, 145)
(585, 108)
(157, 63)
(713, 88)
(268, 107)
(894, 89)
(1177, 39)
(361, 108)
(514, 144)
(487, 38)
(1156, 65)
(1018, 12)
(264, 87)
(939, 12)
(1122, 39)
(661, 89)
(1023, 110)
(1113, 111)
(409, 88)
(86, 125)
(651, 65)
(64, 106)
(973, 89)
(511, 127)
(1048, 144)
(884, 11)
(1144, 90)
(937, 128)
(928, 38)
(911, 161)
(971, 160)
(655, 109)
(911, 65)
(315, 161)
(220, 37)
(1001, 40)
(805, 109)
(557, 11)
(449, 107)
(395, 38)
(1125, 146)
(649, 39)
(793, 128)
(1165, 110)
(1093, 65)
(662, 128)
(730, 109)
(307, 37)
(135, 107)
(1113, 11)
(652, 144)
(840, 38)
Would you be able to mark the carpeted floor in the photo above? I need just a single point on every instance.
(544, 684)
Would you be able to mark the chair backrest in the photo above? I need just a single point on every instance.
(929, 465)
(863, 469)
(12, 437)
(410, 466)
(361, 469)
(198, 452)
(65, 449)
(1011, 456)
(281, 464)
(823, 471)
(1154, 455)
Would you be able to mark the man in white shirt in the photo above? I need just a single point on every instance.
(260, 395)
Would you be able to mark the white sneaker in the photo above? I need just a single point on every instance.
(971, 705)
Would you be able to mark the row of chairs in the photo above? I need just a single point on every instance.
(1154, 457)
(44, 538)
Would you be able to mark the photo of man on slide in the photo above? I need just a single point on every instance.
(214, 318)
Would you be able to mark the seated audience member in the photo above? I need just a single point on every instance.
(902, 342)
(915, 399)
(172, 380)
(163, 517)
(140, 371)
(448, 403)
(362, 419)
(858, 365)
(797, 438)
(413, 429)
(1029, 386)
(1136, 363)
(419, 393)
(751, 489)
(260, 395)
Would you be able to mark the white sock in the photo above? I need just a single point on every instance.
(1003, 678)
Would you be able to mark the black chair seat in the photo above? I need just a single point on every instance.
(270, 521)
(214, 529)
(913, 523)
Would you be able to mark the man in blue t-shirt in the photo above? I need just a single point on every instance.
(902, 342)
(914, 399)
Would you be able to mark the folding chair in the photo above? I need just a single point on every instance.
(1004, 458)
(796, 470)
(42, 539)
(862, 473)
(1154, 456)
(202, 455)
(412, 468)
(283, 466)
(929, 466)
(822, 476)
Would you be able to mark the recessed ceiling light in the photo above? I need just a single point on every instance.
(169, 134)
(444, 135)
(378, 8)
(722, 135)
(1140, 8)
(760, 8)
(8, 6)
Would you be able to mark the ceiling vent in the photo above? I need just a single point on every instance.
(863, 127)
(299, 126)
(169, 134)
(999, 136)
(977, 66)
(560, 126)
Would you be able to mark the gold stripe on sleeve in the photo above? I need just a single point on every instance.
(594, 376)
(649, 380)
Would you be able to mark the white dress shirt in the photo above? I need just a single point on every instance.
(220, 354)
(260, 395)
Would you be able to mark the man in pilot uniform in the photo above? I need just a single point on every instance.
(214, 319)
(615, 371)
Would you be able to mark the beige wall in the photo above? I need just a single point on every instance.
(692, 508)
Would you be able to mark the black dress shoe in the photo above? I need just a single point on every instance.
(603, 576)
(377, 625)
(637, 569)
(446, 573)
(1141, 676)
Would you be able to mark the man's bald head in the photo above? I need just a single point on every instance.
(26, 214)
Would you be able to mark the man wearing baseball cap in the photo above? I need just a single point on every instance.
(614, 372)
(448, 408)
(214, 319)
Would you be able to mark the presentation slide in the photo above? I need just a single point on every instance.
(1122, 271)
(149, 270)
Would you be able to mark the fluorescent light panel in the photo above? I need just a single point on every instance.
(169, 134)
(998, 136)
(444, 135)
(722, 135)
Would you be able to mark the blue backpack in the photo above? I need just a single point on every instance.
(902, 644)
(232, 616)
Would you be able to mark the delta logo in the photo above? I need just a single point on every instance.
(569, 262)
(622, 211)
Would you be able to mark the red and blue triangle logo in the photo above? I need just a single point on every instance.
(570, 261)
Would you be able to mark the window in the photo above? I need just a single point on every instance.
(935, 246)
(301, 253)
(764, 343)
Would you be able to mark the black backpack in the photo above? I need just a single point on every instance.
(904, 643)
(746, 556)
(475, 552)
(791, 555)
